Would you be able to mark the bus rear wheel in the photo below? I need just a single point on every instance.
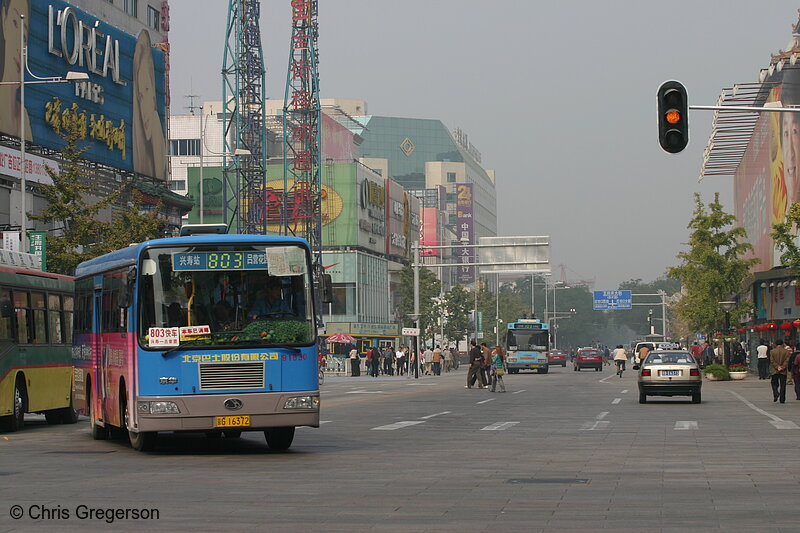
(98, 432)
(279, 438)
(17, 420)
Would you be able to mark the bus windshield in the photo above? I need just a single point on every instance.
(217, 295)
(527, 340)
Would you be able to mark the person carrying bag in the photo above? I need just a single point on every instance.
(499, 366)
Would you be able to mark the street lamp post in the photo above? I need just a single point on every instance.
(23, 68)
(727, 306)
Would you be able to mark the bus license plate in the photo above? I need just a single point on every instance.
(534, 366)
(232, 421)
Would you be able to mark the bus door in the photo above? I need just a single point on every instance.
(101, 377)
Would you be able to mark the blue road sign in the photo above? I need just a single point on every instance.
(608, 300)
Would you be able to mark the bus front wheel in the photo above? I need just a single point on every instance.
(141, 441)
(279, 438)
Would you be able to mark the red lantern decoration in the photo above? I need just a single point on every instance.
(718, 334)
(796, 323)
(759, 327)
(771, 327)
(787, 328)
(741, 330)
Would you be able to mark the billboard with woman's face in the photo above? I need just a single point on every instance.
(120, 111)
(767, 181)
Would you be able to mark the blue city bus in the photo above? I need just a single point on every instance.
(174, 335)
(527, 343)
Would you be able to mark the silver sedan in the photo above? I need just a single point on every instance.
(670, 373)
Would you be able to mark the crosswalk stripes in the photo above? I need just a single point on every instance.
(499, 426)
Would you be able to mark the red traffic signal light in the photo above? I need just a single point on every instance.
(673, 117)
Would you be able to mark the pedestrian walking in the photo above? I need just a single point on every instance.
(620, 358)
(427, 361)
(498, 369)
(606, 356)
(762, 354)
(388, 359)
(448, 359)
(400, 360)
(486, 364)
(779, 361)
(707, 354)
(355, 363)
(436, 361)
(374, 359)
(796, 372)
(475, 362)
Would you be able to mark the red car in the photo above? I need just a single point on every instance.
(557, 357)
(588, 358)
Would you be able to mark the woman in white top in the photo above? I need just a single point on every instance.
(355, 363)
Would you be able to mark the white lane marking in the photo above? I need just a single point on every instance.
(325, 421)
(499, 426)
(435, 414)
(625, 391)
(685, 424)
(597, 424)
(399, 425)
(517, 392)
(776, 421)
(364, 392)
(414, 384)
(609, 377)
(602, 415)
(484, 401)
(616, 401)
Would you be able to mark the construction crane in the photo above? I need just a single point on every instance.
(245, 135)
(301, 214)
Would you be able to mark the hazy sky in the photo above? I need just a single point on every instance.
(558, 96)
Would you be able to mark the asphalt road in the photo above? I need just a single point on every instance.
(565, 451)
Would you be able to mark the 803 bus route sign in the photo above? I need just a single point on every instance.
(612, 300)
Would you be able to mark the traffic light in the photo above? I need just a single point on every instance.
(673, 117)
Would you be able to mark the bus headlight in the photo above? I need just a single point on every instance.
(159, 408)
(302, 402)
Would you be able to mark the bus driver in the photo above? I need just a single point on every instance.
(269, 301)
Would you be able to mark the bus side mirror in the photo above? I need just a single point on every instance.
(6, 308)
(325, 289)
(126, 296)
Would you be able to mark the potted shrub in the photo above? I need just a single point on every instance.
(716, 372)
(738, 371)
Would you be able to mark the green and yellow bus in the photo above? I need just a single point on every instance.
(36, 317)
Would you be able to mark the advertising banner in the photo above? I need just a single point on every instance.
(372, 210)
(429, 233)
(120, 111)
(465, 233)
(35, 166)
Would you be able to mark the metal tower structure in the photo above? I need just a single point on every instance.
(243, 96)
(301, 212)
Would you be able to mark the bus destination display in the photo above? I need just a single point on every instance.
(199, 261)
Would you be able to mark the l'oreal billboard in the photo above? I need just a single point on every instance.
(120, 111)
(767, 181)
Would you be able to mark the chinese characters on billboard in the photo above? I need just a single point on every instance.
(119, 111)
(465, 232)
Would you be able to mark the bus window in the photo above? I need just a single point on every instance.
(23, 314)
(39, 309)
(6, 316)
(54, 313)
(67, 318)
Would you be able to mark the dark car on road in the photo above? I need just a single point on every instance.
(588, 358)
(557, 357)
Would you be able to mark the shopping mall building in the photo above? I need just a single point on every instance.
(386, 181)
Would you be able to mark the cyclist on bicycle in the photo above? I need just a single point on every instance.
(620, 357)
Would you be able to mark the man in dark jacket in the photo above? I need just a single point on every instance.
(779, 363)
(475, 362)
